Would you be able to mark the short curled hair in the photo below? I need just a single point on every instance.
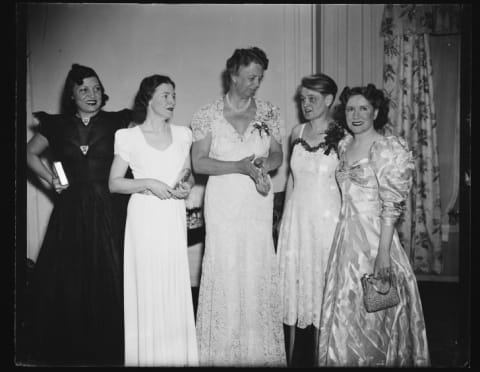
(243, 57)
(320, 83)
(375, 96)
(75, 76)
(145, 94)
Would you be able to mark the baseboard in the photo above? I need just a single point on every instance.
(437, 278)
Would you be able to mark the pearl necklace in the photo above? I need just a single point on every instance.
(234, 109)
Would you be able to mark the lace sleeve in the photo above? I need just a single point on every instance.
(274, 121)
(394, 166)
(201, 123)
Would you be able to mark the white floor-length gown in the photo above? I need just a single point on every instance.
(159, 318)
(306, 232)
(238, 319)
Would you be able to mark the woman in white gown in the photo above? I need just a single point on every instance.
(159, 318)
(238, 319)
(312, 205)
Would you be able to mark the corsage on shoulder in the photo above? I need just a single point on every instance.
(261, 127)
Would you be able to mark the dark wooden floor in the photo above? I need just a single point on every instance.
(442, 310)
(441, 306)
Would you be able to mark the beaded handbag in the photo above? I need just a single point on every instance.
(375, 299)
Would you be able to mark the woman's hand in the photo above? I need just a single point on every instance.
(260, 162)
(160, 189)
(57, 186)
(248, 168)
(382, 267)
(182, 191)
(263, 182)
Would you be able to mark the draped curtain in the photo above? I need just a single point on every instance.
(407, 78)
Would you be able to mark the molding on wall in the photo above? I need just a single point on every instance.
(351, 48)
(298, 61)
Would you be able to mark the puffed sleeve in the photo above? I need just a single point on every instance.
(46, 124)
(121, 146)
(275, 122)
(394, 166)
(201, 123)
(343, 143)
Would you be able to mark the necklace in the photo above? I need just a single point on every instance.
(234, 109)
(86, 121)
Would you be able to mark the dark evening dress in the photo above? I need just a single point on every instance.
(78, 280)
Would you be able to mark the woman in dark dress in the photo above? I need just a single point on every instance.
(77, 284)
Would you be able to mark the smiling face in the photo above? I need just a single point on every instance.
(314, 104)
(247, 80)
(360, 114)
(88, 96)
(163, 101)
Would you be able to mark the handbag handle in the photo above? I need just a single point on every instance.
(391, 282)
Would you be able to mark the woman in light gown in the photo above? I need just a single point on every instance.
(375, 175)
(159, 318)
(312, 204)
(239, 321)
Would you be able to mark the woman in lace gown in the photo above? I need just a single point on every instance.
(77, 284)
(159, 318)
(239, 321)
(374, 174)
(311, 209)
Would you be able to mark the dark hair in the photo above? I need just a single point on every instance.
(320, 83)
(375, 96)
(75, 76)
(145, 94)
(243, 57)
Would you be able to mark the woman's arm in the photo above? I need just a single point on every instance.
(35, 147)
(203, 164)
(184, 187)
(117, 183)
(274, 159)
(382, 261)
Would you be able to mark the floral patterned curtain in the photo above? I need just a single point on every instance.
(407, 78)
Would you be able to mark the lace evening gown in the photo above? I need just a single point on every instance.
(77, 284)
(159, 318)
(373, 190)
(239, 322)
(306, 232)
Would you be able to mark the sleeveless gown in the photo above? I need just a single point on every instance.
(306, 232)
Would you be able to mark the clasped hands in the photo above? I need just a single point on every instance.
(163, 191)
(255, 168)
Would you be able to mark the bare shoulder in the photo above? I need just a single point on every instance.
(296, 131)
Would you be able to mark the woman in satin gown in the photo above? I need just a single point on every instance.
(312, 205)
(77, 283)
(237, 141)
(375, 175)
(159, 318)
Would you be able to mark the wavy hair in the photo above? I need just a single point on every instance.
(145, 93)
(75, 76)
(375, 96)
(242, 57)
(320, 83)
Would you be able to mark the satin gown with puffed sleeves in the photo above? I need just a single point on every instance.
(373, 192)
